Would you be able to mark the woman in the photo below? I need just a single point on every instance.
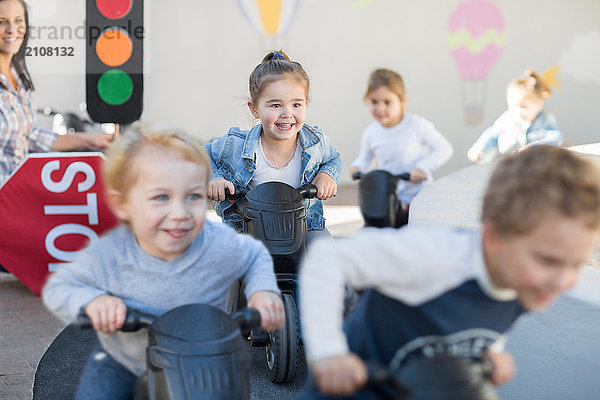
(18, 134)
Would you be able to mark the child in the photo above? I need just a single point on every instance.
(524, 123)
(452, 291)
(165, 255)
(281, 148)
(400, 142)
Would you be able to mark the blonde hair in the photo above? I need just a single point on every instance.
(531, 84)
(388, 79)
(527, 186)
(120, 169)
(275, 66)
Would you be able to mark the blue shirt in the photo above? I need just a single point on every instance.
(233, 158)
(116, 265)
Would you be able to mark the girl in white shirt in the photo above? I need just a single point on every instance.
(399, 141)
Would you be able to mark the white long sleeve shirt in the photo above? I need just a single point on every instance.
(413, 143)
(428, 286)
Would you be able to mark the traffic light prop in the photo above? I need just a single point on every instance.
(114, 60)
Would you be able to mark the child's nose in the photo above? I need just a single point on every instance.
(179, 210)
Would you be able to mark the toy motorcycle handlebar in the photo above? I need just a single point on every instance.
(307, 191)
(246, 318)
(134, 320)
(405, 176)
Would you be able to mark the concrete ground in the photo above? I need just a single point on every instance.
(27, 329)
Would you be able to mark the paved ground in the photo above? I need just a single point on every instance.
(27, 328)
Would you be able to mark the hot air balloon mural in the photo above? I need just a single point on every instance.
(271, 18)
(476, 39)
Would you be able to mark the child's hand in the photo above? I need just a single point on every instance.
(270, 306)
(340, 375)
(473, 155)
(417, 175)
(216, 189)
(107, 313)
(353, 170)
(504, 366)
(326, 186)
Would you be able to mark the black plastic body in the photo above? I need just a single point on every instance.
(377, 198)
(274, 214)
(440, 377)
(195, 351)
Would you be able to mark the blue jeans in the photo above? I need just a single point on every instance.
(103, 378)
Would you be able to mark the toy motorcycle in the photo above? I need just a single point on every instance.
(377, 198)
(440, 377)
(274, 214)
(194, 351)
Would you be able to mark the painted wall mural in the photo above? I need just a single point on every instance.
(581, 62)
(270, 18)
(475, 36)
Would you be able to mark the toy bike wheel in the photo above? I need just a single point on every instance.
(284, 345)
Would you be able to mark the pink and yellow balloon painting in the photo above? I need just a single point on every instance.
(475, 37)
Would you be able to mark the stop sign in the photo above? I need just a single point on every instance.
(51, 207)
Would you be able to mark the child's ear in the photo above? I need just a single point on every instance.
(117, 204)
(253, 109)
(490, 236)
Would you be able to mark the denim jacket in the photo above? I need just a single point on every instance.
(232, 157)
(502, 136)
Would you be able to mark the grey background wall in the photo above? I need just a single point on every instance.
(199, 54)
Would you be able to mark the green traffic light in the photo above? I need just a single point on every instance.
(115, 87)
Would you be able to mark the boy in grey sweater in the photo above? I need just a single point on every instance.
(164, 255)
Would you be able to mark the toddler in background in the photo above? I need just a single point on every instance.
(524, 123)
(165, 254)
(399, 141)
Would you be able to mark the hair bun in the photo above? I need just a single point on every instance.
(277, 56)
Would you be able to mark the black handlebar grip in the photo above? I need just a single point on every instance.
(405, 176)
(377, 374)
(134, 320)
(83, 321)
(247, 318)
(308, 191)
(356, 175)
(239, 193)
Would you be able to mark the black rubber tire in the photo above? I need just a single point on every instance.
(283, 350)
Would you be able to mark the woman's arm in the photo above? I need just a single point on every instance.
(82, 141)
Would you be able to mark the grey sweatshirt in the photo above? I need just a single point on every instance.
(115, 265)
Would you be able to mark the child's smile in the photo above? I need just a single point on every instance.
(281, 109)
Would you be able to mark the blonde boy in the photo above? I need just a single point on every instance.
(164, 255)
(439, 291)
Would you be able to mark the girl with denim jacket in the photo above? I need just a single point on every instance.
(524, 123)
(281, 148)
